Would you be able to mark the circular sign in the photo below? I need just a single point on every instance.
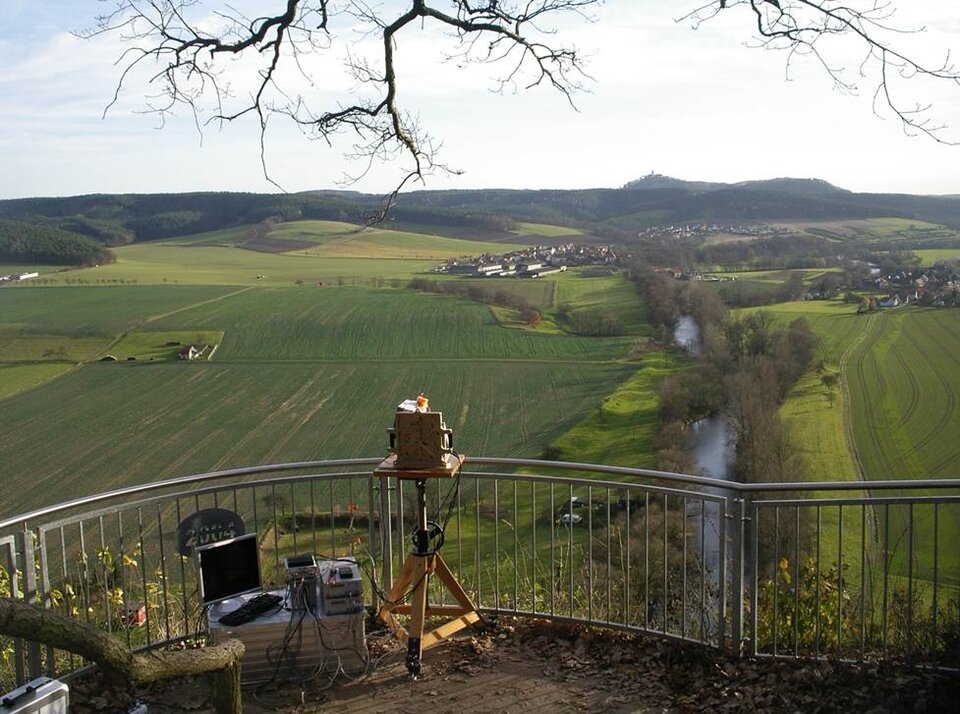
(210, 525)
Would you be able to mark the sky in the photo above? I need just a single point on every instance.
(697, 104)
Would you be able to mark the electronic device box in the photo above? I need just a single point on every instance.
(39, 696)
(341, 587)
(288, 645)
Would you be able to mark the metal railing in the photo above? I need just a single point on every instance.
(844, 569)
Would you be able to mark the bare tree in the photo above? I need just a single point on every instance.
(187, 46)
(807, 27)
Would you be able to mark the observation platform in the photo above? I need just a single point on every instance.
(536, 666)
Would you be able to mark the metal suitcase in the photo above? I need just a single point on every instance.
(40, 696)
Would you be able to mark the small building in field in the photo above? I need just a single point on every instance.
(189, 352)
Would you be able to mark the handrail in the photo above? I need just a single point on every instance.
(735, 486)
(721, 483)
(182, 481)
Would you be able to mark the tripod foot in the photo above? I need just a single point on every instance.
(413, 657)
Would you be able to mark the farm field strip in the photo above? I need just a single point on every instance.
(362, 323)
(121, 424)
(169, 264)
(910, 361)
(929, 256)
(16, 378)
(544, 229)
(85, 311)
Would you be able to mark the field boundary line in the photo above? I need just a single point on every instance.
(845, 402)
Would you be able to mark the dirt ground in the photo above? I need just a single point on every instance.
(527, 667)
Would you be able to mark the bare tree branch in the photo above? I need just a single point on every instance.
(192, 51)
(801, 27)
(193, 55)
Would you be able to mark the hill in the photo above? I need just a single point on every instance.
(487, 214)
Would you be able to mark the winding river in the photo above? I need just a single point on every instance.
(711, 444)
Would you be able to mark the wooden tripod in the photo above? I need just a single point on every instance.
(414, 577)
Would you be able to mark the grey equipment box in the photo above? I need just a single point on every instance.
(293, 645)
(341, 587)
(40, 696)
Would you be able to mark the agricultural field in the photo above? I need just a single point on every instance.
(122, 423)
(898, 408)
(301, 372)
(937, 255)
(904, 381)
(343, 240)
(892, 362)
(544, 229)
(158, 263)
(874, 230)
(45, 331)
(364, 324)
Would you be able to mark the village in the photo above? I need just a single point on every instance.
(935, 285)
(704, 230)
(531, 262)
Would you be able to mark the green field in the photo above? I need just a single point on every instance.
(16, 378)
(934, 255)
(873, 230)
(343, 240)
(363, 324)
(901, 375)
(171, 264)
(544, 229)
(896, 418)
(301, 372)
(905, 387)
(128, 423)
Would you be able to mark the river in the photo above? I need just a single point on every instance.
(686, 334)
(711, 444)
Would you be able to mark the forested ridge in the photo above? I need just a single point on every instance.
(614, 214)
(22, 242)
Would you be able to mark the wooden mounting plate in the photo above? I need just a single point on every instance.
(388, 469)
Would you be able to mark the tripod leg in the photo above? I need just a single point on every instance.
(423, 566)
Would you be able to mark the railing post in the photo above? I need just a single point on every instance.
(386, 534)
(25, 542)
(742, 537)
